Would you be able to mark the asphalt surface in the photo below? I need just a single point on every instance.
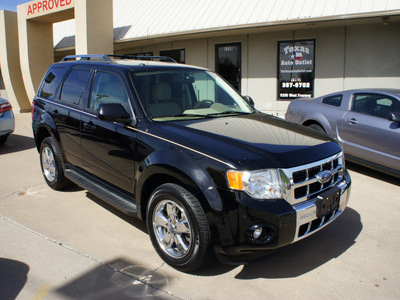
(70, 245)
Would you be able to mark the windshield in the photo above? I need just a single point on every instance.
(175, 94)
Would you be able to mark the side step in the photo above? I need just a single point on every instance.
(106, 193)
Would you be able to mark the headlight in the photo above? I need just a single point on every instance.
(263, 184)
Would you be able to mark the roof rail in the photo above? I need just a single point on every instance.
(145, 57)
(88, 57)
(107, 57)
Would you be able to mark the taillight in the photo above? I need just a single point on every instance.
(33, 108)
(5, 107)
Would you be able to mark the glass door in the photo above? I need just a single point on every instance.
(228, 63)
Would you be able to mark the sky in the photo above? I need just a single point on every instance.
(11, 4)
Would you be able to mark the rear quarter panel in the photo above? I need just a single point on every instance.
(313, 111)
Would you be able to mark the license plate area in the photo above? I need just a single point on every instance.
(327, 202)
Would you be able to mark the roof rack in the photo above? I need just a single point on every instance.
(107, 57)
(145, 57)
(88, 57)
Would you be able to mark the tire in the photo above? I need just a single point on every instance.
(51, 165)
(178, 228)
(316, 127)
(3, 139)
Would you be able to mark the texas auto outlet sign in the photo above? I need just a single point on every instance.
(44, 6)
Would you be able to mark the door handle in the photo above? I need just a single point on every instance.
(56, 113)
(352, 121)
(89, 125)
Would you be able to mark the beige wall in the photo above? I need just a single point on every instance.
(94, 26)
(9, 61)
(347, 57)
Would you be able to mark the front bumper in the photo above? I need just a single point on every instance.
(290, 223)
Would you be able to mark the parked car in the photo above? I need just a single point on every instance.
(7, 121)
(366, 122)
(177, 146)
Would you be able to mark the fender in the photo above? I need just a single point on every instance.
(321, 119)
(46, 122)
(189, 170)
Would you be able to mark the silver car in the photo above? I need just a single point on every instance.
(7, 121)
(366, 122)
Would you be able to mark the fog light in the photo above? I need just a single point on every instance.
(257, 231)
(261, 234)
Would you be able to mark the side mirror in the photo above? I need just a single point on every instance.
(249, 100)
(113, 112)
(395, 117)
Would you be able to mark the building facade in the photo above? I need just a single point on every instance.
(271, 50)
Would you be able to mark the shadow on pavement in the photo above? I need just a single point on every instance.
(13, 276)
(299, 258)
(310, 253)
(372, 173)
(119, 279)
(139, 224)
(16, 143)
(290, 261)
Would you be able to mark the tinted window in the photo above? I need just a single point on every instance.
(108, 88)
(333, 100)
(74, 86)
(376, 105)
(50, 83)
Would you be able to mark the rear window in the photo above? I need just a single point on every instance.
(50, 83)
(333, 100)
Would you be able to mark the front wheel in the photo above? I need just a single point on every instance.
(178, 228)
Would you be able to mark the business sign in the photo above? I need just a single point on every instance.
(43, 7)
(296, 69)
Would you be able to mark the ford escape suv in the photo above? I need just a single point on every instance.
(177, 146)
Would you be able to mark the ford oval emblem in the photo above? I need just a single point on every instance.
(324, 176)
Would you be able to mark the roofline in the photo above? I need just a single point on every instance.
(269, 24)
(367, 15)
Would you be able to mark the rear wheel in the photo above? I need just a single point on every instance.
(316, 127)
(50, 162)
(3, 139)
(178, 228)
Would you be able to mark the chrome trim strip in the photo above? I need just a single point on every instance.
(144, 132)
(180, 145)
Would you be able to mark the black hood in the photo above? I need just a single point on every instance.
(254, 141)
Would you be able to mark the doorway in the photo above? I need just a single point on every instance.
(228, 63)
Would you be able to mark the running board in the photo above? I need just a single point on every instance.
(106, 193)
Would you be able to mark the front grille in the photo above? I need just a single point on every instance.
(302, 181)
(310, 227)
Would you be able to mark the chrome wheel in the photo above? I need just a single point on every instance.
(172, 229)
(48, 164)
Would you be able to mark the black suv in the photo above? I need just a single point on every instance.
(177, 146)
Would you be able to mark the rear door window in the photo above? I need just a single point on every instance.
(74, 86)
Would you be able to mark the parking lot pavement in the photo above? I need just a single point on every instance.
(70, 245)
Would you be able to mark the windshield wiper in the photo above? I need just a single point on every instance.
(228, 112)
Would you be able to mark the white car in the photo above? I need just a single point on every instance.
(7, 121)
